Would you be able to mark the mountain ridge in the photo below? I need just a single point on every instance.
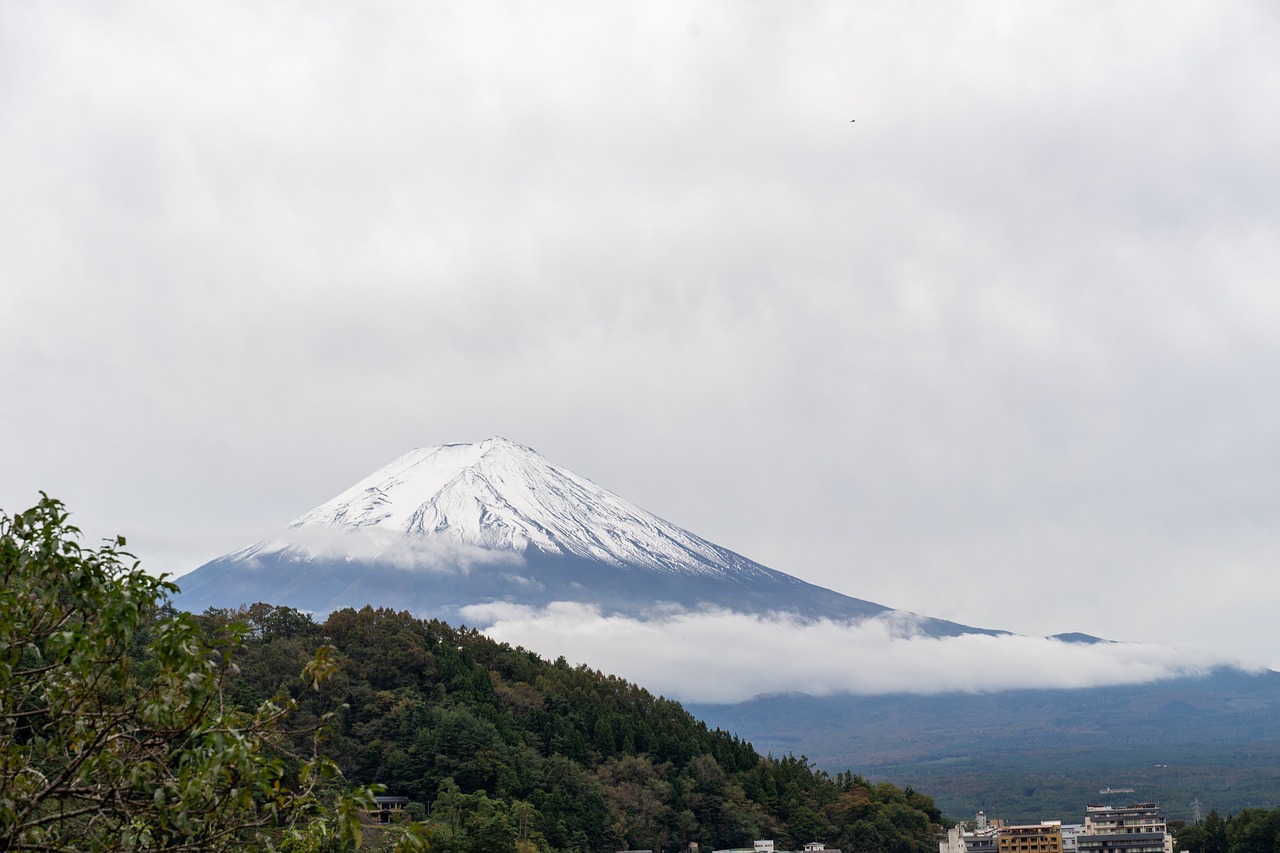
(1040, 752)
(441, 528)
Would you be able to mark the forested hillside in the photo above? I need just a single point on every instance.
(1255, 830)
(504, 750)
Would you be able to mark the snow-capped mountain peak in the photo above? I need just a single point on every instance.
(500, 496)
(442, 529)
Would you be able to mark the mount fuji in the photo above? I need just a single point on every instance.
(463, 530)
(442, 528)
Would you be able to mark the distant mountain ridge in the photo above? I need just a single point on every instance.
(441, 528)
(1027, 755)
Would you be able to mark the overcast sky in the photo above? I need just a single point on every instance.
(1004, 350)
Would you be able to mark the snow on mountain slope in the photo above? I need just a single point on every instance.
(496, 496)
(443, 529)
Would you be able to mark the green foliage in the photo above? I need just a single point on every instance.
(510, 752)
(1253, 830)
(115, 729)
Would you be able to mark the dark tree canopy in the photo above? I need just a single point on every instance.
(505, 750)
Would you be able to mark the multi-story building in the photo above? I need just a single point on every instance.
(1043, 837)
(1137, 828)
(1114, 820)
(981, 840)
(1071, 833)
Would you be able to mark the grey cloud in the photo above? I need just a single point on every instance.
(1010, 331)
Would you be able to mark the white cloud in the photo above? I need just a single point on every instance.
(720, 656)
(373, 544)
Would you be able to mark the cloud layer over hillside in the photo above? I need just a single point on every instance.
(730, 657)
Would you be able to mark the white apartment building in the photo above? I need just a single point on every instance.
(1137, 828)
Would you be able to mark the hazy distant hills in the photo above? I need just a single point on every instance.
(441, 528)
(1042, 754)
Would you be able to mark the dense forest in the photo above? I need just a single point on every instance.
(1250, 831)
(503, 751)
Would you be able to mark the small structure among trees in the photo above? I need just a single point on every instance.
(385, 808)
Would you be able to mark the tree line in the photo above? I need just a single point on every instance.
(1253, 830)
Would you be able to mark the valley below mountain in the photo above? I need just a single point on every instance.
(1028, 755)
